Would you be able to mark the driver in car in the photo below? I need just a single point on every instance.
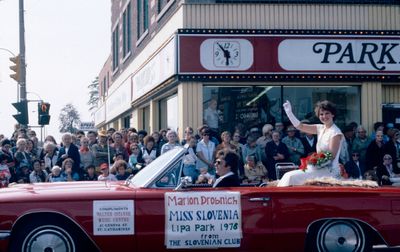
(225, 165)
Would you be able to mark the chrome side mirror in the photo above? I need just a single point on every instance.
(184, 183)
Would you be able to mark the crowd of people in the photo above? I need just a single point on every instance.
(115, 155)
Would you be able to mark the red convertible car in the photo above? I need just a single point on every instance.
(157, 210)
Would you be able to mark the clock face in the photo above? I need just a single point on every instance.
(232, 54)
(226, 53)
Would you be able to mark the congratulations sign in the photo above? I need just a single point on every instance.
(203, 219)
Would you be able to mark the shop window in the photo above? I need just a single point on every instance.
(169, 113)
(346, 98)
(225, 108)
(127, 122)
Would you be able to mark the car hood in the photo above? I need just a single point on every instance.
(66, 190)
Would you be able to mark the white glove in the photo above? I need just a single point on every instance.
(288, 109)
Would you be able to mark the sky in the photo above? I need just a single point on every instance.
(67, 43)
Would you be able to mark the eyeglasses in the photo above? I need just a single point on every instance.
(388, 158)
(356, 155)
(206, 134)
(134, 148)
(236, 136)
(218, 162)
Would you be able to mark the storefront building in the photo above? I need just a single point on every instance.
(233, 64)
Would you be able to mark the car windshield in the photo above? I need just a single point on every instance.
(155, 168)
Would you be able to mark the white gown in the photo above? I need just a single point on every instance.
(298, 177)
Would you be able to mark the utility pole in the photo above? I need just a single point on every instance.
(22, 65)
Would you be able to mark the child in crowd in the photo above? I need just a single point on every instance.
(23, 174)
(55, 175)
(205, 177)
(121, 167)
(5, 173)
(90, 174)
(189, 160)
(135, 159)
(105, 173)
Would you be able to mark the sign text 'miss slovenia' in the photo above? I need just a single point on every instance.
(203, 219)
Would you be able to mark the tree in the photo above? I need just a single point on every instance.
(93, 94)
(69, 119)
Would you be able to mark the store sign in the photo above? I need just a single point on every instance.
(161, 67)
(119, 101)
(339, 54)
(86, 126)
(203, 220)
(100, 115)
(288, 54)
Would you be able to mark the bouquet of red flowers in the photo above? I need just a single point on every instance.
(318, 160)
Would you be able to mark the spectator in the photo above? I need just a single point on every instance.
(102, 151)
(375, 151)
(5, 151)
(149, 152)
(157, 138)
(50, 155)
(119, 145)
(355, 168)
(187, 135)
(254, 171)
(204, 177)
(251, 148)
(121, 168)
(212, 117)
(280, 128)
(141, 135)
(276, 152)
(37, 175)
(69, 150)
(265, 138)
(171, 135)
(309, 142)
(87, 157)
(92, 136)
(132, 138)
(55, 175)
(135, 159)
(385, 172)
(22, 158)
(360, 143)
(190, 159)
(205, 151)
(5, 174)
(392, 147)
(379, 126)
(68, 171)
(295, 147)
(226, 143)
(105, 173)
(23, 174)
(90, 174)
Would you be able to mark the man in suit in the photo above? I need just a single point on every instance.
(354, 167)
(69, 150)
(225, 165)
(309, 142)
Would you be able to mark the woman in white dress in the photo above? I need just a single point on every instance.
(330, 139)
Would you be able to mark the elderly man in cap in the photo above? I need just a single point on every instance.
(296, 148)
(102, 151)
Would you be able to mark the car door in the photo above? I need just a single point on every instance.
(198, 218)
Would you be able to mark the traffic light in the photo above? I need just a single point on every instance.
(22, 116)
(44, 109)
(16, 75)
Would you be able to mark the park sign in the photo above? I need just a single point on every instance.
(289, 54)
